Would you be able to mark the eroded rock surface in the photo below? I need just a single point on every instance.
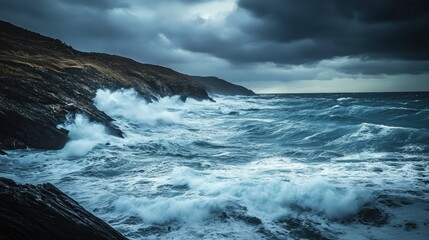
(44, 212)
(42, 80)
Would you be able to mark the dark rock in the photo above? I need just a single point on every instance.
(219, 86)
(43, 80)
(44, 212)
(373, 217)
(2, 152)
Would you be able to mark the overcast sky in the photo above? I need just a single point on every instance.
(266, 45)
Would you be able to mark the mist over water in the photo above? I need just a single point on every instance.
(127, 104)
(303, 166)
(83, 135)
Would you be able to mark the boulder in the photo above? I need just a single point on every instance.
(44, 212)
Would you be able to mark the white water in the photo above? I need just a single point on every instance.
(240, 168)
(83, 135)
(127, 104)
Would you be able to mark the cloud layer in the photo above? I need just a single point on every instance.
(318, 30)
(284, 43)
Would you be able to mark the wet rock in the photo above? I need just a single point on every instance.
(219, 86)
(373, 217)
(44, 212)
(43, 80)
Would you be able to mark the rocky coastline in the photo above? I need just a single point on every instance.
(42, 81)
(215, 85)
(44, 212)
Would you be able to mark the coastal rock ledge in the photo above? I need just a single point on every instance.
(44, 212)
(42, 80)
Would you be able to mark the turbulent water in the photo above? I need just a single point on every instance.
(309, 166)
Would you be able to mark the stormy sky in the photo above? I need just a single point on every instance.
(266, 45)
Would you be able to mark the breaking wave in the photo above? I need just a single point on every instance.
(310, 166)
(83, 135)
(127, 104)
(264, 199)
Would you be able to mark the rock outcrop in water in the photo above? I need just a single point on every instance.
(219, 86)
(44, 212)
(43, 79)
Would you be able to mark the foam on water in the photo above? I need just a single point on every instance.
(127, 104)
(270, 199)
(83, 135)
(269, 166)
(344, 99)
(164, 210)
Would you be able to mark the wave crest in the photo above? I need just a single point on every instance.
(127, 104)
(83, 135)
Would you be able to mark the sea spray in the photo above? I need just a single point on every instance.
(286, 166)
(83, 135)
(127, 104)
(267, 200)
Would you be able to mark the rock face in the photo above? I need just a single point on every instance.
(219, 86)
(42, 80)
(44, 212)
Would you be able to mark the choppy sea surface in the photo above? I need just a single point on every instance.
(293, 166)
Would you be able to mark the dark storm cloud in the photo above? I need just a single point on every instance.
(283, 39)
(100, 4)
(69, 20)
(374, 67)
(383, 29)
(128, 28)
(90, 26)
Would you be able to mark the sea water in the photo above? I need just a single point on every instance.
(292, 166)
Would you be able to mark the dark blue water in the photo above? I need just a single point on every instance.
(295, 166)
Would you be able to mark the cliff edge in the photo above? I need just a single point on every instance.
(42, 80)
(215, 85)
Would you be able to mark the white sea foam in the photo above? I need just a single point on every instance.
(163, 210)
(83, 135)
(363, 156)
(413, 148)
(265, 199)
(370, 131)
(344, 99)
(179, 189)
(126, 103)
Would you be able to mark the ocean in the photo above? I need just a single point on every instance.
(270, 166)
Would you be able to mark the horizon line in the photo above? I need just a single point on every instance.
(416, 91)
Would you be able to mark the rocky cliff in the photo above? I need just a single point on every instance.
(42, 80)
(219, 86)
(44, 212)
